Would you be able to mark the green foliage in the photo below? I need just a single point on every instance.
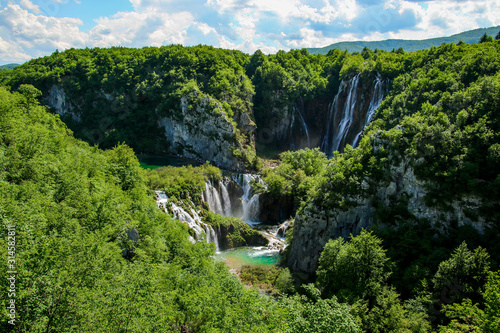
(118, 94)
(385, 313)
(358, 272)
(469, 317)
(285, 281)
(466, 270)
(234, 231)
(297, 174)
(183, 182)
(72, 207)
(357, 268)
(318, 315)
(485, 38)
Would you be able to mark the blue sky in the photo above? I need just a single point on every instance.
(35, 28)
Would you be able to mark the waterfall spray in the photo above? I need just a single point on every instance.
(303, 125)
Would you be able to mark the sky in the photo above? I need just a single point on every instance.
(36, 28)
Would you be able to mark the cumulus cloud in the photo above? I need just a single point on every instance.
(30, 6)
(29, 29)
(32, 35)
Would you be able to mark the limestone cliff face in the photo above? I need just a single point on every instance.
(202, 130)
(198, 128)
(315, 226)
(57, 99)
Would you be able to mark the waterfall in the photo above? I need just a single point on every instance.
(226, 201)
(292, 144)
(304, 125)
(212, 236)
(378, 96)
(193, 219)
(182, 215)
(326, 145)
(347, 113)
(250, 201)
(211, 196)
(219, 202)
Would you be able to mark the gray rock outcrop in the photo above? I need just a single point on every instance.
(316, 226)
(202, 130)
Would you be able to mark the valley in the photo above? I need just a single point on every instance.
(362, 190)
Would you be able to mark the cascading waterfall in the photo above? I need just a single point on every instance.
(347, 113)
(326, 145)
(192, 218)
(212, 236)
(217, 195)
(345, 116)
(250, 201)
(211, 196)
(378, 96)
(226, 202)
(218, 202)
(303, 125)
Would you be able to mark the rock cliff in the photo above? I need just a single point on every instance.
(198, 128)
(202, 130)
(315, 226)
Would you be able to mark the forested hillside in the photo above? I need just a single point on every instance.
(93, 253)
(468, 37)
(389, 163)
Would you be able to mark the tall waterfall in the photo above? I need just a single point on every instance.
(349, 113)
(326, 145)
(378, 96)
(303, 125)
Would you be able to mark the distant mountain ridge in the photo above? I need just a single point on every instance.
(469, 37)
(8, 66)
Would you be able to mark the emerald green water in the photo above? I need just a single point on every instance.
(253, 256)
(155, 162)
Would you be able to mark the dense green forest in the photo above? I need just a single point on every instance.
(79, 268)
(94, 253)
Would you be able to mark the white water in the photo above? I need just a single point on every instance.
(250, 201)
(219, 202)
(193, 219)
(226, 201)
(347, 113)
(336, 135)
(326, 145)
(303, 125)
(378, 96)
(212, 197)
(218, 199)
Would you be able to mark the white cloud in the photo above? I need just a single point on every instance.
(36, 35)
(31, 6)
(137, 29)
(246, 25)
